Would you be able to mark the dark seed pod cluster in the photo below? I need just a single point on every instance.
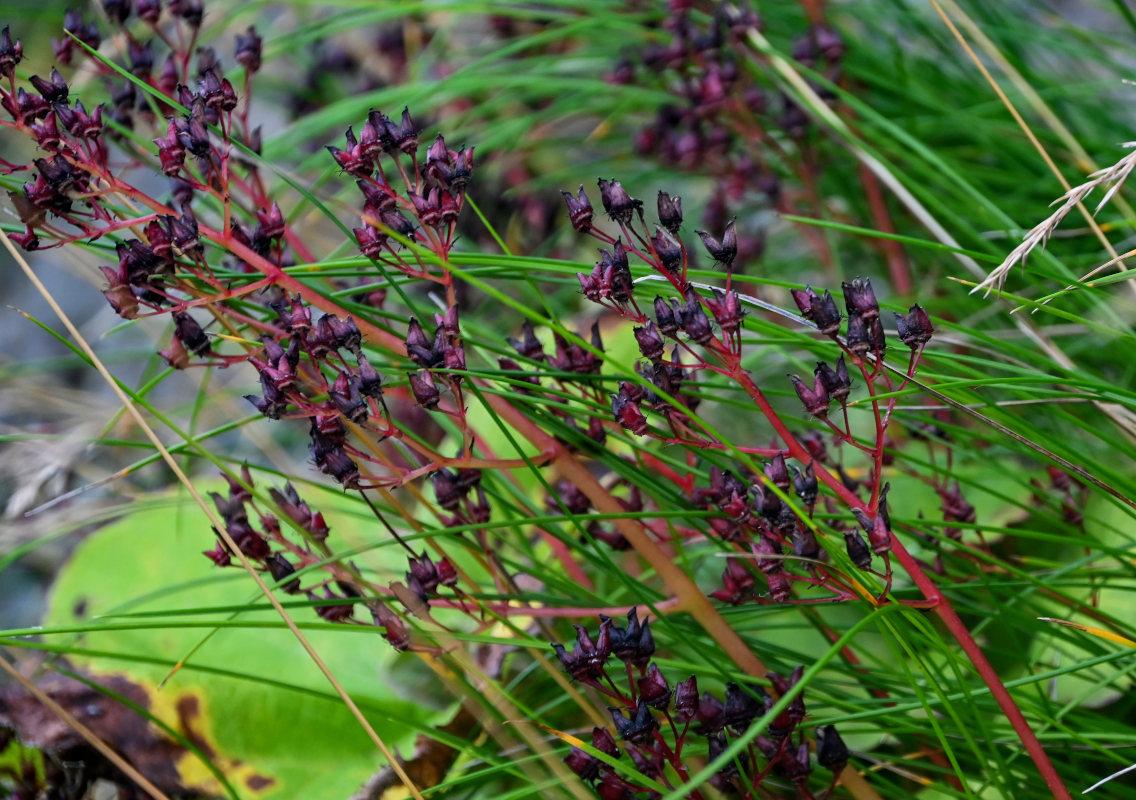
(656, 721)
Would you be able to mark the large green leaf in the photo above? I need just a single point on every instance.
(272, 724)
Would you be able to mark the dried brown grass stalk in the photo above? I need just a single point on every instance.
(1113, 177)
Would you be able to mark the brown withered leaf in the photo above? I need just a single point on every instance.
(29, 212)
(428, 766)
(127, 731)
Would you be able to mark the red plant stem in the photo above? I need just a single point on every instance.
(942, 606)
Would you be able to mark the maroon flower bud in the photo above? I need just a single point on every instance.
(428, 207)
(370, 382)
(805, 484)
(270, 223)
(796, 764)
(603, 741)
(529, 347)
(397, 222)
(616, 272)
(170, 150)
(829, 43)
(777, 471)
(424, 389)
(281, 568)
(769, 748)
(670, 212)
(686, 700)
(297, 317)
(860, 299)
(376, 135)
(187, 97)
(879, 535)
(53, 90)
(377, 197)
(737, 583)
(56, 172)
(29, 106)
(618, 204)
(694, 319)
(640, 728)
(422, 351)
(667, 319)
(815, 400)
(725, 251)
(11, 53)
(711, 714)
(668, 249)
(219, 555)
(832, 753)
(294, 508)
(650, 342)
(779, 588)
(634, 644)
(736, 506)
(272, 404)
(183, 232)
(47, 133)
(653, 688)
(447, 574)
(371, 241)
(629, 415)
(451, 207)
(462, 172)
(438, 157)
(190, 334)
(192, 11)
(914, 327)
(819, 309)
(597, 286)
(86, 32)
(453, 358)
(41, 195)
(405, 135)
(955, 507)
(248, 49)
(877, 338)
(584, 765)
(339, 465)
(585, 663)
(251, 543)
(727, 311)
(77, 122)
(352, 160)
(579, 210)
(836, 381)
(743, 705)
(882, 505)
(423, 571)
(394, 629)
(334, 610)
(348, 400)
(193, 131)
(446, 490)
(231, 508)
(344, 332)
(796, 707)
(858, 336)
